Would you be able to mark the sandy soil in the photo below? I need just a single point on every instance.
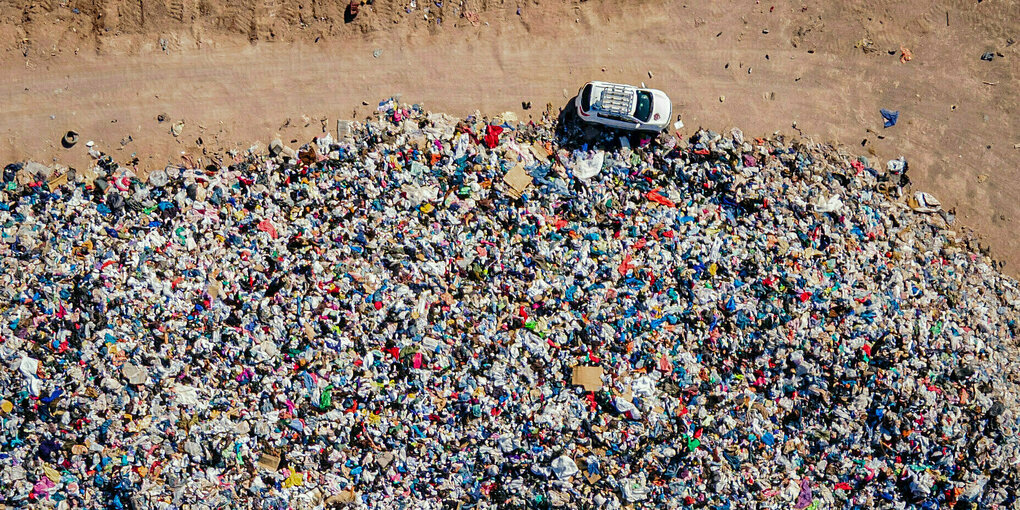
(246, 71)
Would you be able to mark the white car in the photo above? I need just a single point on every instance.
(623, 106)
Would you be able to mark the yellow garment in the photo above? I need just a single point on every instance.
(52, 474)
(294, 480)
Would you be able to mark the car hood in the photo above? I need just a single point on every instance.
(661, 106)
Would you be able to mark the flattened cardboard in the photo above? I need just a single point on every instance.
(518, 180)
(60, 180)
(589, 377)
(539, 151)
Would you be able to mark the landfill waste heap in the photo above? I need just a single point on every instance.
(484, 313)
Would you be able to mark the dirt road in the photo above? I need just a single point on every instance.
(236, 75)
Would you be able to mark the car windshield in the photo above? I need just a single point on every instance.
(586, 97)
(644, 106)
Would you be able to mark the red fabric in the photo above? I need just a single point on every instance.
(492, 136)
(654, 196)
(665, 365)
(625, 266)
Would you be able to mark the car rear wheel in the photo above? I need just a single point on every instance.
(569, 123)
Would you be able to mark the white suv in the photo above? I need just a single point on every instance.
(624, 106)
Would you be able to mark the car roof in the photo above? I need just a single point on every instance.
(613, 98)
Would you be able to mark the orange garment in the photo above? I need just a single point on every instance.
(905, 55)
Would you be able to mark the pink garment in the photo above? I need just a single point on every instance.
(267, 227)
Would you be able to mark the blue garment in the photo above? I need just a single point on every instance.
(890, 117)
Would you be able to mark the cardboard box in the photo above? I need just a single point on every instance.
(269, 461)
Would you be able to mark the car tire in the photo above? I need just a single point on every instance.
(569, 122)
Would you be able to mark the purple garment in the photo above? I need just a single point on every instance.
(805, 498)
(47, 448)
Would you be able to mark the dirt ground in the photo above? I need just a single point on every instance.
(246, 71)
